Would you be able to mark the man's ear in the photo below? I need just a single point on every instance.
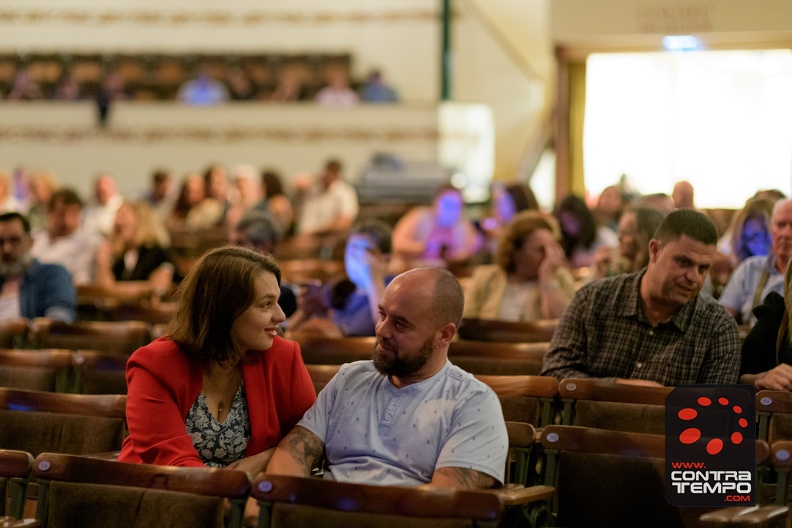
(654, 248)
(447, 333)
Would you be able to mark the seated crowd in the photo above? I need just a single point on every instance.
(628, 283)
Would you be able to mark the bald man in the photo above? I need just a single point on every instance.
(407, 417)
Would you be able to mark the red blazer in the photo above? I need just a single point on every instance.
(164, 382)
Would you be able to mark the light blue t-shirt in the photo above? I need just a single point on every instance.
(375, 433)
(740, 291)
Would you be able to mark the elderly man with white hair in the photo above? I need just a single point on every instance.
(757, 276)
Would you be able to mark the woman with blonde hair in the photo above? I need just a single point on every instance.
(529, 280)
(136, 249)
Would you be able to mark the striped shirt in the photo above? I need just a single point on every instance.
(605, 334)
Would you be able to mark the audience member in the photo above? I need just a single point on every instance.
(660, 201)
(439, 233)
(529, 279)
(652, 327)
(682, 195)
(289, 88)
(29, 288)
(25, 88)
(349, 306)
(240, 87)
(216, 185)
(331, 205)
(375, 90)
(99, 215)
(111, 89)
(636, 227)
(275, 201)
(160, 195)
(222, 389)
(67, 89)
(64, 241)
(767, 349)
(135, 251)
(507, 201)
(194, 210)
(259, 231)
(748, 234)
(248, 192)
(581, 237)
(373, 422)
(42, 185)
(337, 93)
(610, 206)
(202, 91)
(8, 202)
(756, 276)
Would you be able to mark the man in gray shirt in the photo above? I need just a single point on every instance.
(408, 417)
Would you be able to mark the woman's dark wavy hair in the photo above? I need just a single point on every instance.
(588, 225)
(216, 291)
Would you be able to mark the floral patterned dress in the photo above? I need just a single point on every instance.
(219, 443)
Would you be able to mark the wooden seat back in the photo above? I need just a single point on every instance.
(14, 333)
(118, 337)
(43, 370)
(507, 331)
(592, 402)
(529, 399)
(614, 475)
(99, 372)
(477, 357)
(91, 492)
(774, 414)
(37, 421)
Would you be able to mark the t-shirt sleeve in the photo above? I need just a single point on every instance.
(478, 438)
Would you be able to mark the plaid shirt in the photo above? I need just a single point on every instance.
(605, 334)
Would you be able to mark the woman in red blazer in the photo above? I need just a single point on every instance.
(222, 389)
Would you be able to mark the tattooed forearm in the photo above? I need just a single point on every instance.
(305, 448)
(455, 477)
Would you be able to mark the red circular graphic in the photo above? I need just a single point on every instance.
(736, 437)
(687, 414)
(743, 422)
(737, 409)
(704, 401)
(689, 436)
(714, 446)
(723, 401)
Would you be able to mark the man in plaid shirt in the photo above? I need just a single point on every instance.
(652, 327)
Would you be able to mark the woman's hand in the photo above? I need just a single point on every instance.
(253, 465)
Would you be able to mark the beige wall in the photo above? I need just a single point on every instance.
(502, 48)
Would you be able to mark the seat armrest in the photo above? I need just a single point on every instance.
(760, 516)
(517, 495)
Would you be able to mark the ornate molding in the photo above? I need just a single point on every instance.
(109, 17)
(154, 134)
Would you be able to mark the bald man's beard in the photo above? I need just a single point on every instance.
(391, 363)
(15, 268)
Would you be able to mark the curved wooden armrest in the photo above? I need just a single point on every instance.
(518, 495)
(197, 480)
(387, 500)
(112, 456)
(15, 463)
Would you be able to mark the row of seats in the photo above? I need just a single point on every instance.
(594, 478)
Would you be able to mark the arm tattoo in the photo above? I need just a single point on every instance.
(305, 448)
(467, 478)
